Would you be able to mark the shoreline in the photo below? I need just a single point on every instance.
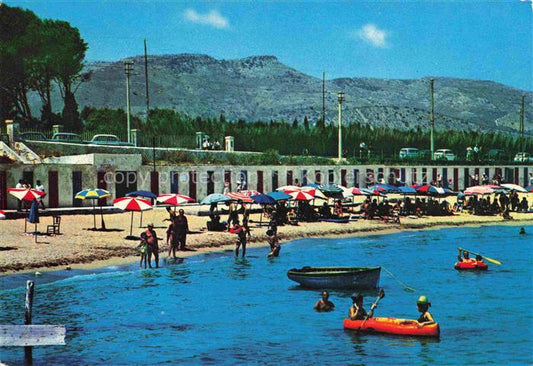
(207, 242)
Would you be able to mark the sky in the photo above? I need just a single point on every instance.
(488, 40)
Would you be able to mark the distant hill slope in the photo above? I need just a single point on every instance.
(262, 88)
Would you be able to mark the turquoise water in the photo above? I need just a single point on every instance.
(214, 309)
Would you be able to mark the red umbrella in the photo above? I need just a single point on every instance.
(26, 194)
(132, 204)
(174, 199)
(479, 190)
(301, 196)
(239, 196)
(2, 215)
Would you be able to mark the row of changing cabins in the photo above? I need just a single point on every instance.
(63, 181)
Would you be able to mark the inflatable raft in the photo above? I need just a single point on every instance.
(474, 265)
(396, 326)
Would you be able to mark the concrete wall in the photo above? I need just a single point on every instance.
(114, 164)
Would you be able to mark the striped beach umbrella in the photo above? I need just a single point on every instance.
(301, 196)
(132, 204)
(474, 190)
(514, 187)
(174, 199)
(26, 194)
(250, 192)
(215, 198)
(238, 196)
(2, 215)
(94, 194)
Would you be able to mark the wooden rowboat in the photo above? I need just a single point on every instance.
(336, 277)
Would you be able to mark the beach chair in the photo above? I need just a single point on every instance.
(54, 229)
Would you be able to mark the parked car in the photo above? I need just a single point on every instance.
(444, 154)
(523, 157)
(409, 153)
(32, 136)
(66, 137)
(108, 140)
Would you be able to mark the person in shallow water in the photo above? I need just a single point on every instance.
(324, 304)
(241, 238)
(273, 241)
(522, 231)
(357, 312)
(423, 305)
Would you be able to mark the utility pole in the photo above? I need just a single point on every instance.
(431, 117)
(146, 77)
(128, 67)
(324, 98)
(522, 123)
(340, 96)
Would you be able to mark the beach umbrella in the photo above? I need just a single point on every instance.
(174, 199)
(373, 192)
(238, 196)
(263, 199)
(25, 194)
(142, 194)
(132, 204)
(94, 194)
(301, 196)
(33, 217)
(529, 189)
(2, 215)
(353, 191)
(215, 198)
(250, 192)
(331, 190)
(407, 190)
(514, 187)
(385, 188)
(279, 196)
(474, 190)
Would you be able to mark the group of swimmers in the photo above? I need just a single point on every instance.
(358, 312)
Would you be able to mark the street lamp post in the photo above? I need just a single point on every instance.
(128, 67)
(431, 117)
(340, 96)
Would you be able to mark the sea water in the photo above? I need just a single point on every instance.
(215, 309)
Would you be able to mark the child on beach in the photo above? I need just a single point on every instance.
(143, 249)
(241, 238)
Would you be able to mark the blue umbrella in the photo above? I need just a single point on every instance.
(144, 194)
(263, 199)
(33, 217)
(279, 196)
(407, 190)
(215, 198)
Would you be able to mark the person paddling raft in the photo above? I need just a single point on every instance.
(425, 318)
(357, 312)
(465, 257)
(324, 304)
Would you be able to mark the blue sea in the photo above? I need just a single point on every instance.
(214, 309)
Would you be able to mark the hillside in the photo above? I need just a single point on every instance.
(262, 88)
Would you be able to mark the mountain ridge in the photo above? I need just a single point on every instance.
(263, 88)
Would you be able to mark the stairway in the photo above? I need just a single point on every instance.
(20, 153)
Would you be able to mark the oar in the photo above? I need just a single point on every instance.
(405, 287)
(487, 258)
(380, 296)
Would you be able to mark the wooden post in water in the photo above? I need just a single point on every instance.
(28, 306)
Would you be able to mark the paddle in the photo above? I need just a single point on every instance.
(380, 296)
(487, 258)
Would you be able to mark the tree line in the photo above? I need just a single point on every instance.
(37, 55)
(299, 138)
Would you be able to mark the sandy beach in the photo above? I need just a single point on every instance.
(78, 247)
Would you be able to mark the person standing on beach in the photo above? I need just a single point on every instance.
(39, 187)
(172, 237)
(181, 228)
(153, 247)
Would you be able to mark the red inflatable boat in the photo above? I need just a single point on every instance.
(406, 327)
(473, 265)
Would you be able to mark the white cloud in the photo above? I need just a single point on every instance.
(373, 35)
(213, 18)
